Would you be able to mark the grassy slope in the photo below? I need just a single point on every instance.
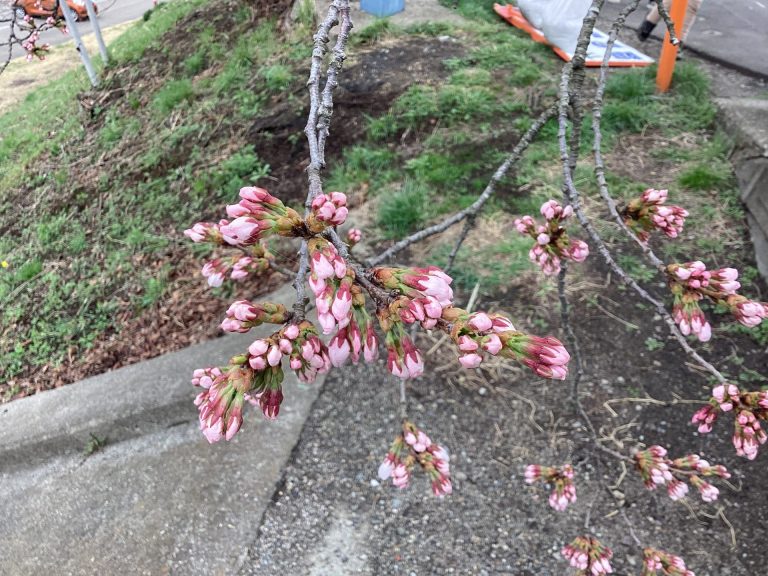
(170, 148)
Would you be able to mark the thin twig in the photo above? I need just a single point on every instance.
(477, 205)
(667, 22)
(318, 122)
(575, 198)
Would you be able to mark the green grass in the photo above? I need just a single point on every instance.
(91, 249)
(403, 211)
(172, 95)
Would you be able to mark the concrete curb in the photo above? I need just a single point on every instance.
(157, 499)
(140, 399)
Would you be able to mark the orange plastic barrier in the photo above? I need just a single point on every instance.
(668, 51)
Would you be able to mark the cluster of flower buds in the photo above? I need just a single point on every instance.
(332, 284)
(307, 355)
(655, 560)
(354, 235)
(256, 216)
(357, 337)
(242, 315)
(561, 480)
(327, 210)
(589, 556)
(749, 409)
(404, 360)
(410, 447)
(494, 334)
(33, 49)
(253, 260)
(552, 243)
(691, 282)
(657, 470)
(648, 213)
(417, 283)
(220, 404)
(52, 22)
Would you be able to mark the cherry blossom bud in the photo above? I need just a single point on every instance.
(480, 322)
(470, 360)
(354, 235)
(291, 332)
(339, 348)
(371, 345)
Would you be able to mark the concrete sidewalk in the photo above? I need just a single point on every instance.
(158, 499)
(733, 33)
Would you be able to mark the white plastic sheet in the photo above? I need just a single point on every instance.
(559, 20)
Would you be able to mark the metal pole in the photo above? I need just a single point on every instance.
(97, 30)
(78, 42)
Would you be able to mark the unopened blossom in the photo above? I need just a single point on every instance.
(257, 215)
(559, 478)
(417, 282)
(748, 434)
(691, 282)
(705, 417)
(670, 565)
(749, 410)
(481, 333)
(708, 492)
(404, 359)
(354, 235)
(687, 313)
(204, 377)
(747, 312)
(589, 556)
(220, 405)
(328, 210)
(206, 232)
(216, 271)
(243, 315)
(551, 241)
(309, 356)
(325, 262)
(658, 470)
(425, 309)
(268, 391)
(412, 447)
(649, 212)
(546, 356)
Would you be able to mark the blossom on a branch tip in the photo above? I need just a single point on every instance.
(589, 556)
(417, 282)
(412, 447)
(328, 210)
(649, 212)
(354, 235)
(243, 315)
(206, 232)
(655, 560)
(658, 470)
(691, 282)
(479, 333)
(551, 241)
(257, 215)
(220, 404)
(561, 480)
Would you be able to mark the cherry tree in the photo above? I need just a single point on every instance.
(366, 307)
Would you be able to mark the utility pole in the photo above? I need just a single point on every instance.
(97, 30)
(78, 42)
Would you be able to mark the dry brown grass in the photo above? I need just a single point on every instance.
(22, 77)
